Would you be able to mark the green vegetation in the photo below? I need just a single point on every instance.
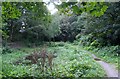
(70, 62)
(107, 54)
(75, 28)
(0, 63)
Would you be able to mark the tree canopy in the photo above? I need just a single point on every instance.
(32, 21)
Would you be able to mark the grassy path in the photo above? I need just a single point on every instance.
(110, 71)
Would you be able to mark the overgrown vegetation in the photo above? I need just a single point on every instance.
(70, 62)
(109, 54)
(27, 26)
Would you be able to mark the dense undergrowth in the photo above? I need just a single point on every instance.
(70, 62)
(108, 54)
(105, 50)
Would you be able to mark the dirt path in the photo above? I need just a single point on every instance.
(109, 69)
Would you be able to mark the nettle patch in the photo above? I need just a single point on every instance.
(70, 62)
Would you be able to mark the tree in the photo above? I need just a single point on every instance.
(94, 8)
(17, 15)
(105, 29)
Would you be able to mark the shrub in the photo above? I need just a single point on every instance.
(85, 40)
(6, 50)
(61, 44)
(95, 43)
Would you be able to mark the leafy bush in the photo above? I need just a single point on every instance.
(85, 40)
(61, 44)
(115, 50)
(89, 47)
(6, 50)
(95, 43)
